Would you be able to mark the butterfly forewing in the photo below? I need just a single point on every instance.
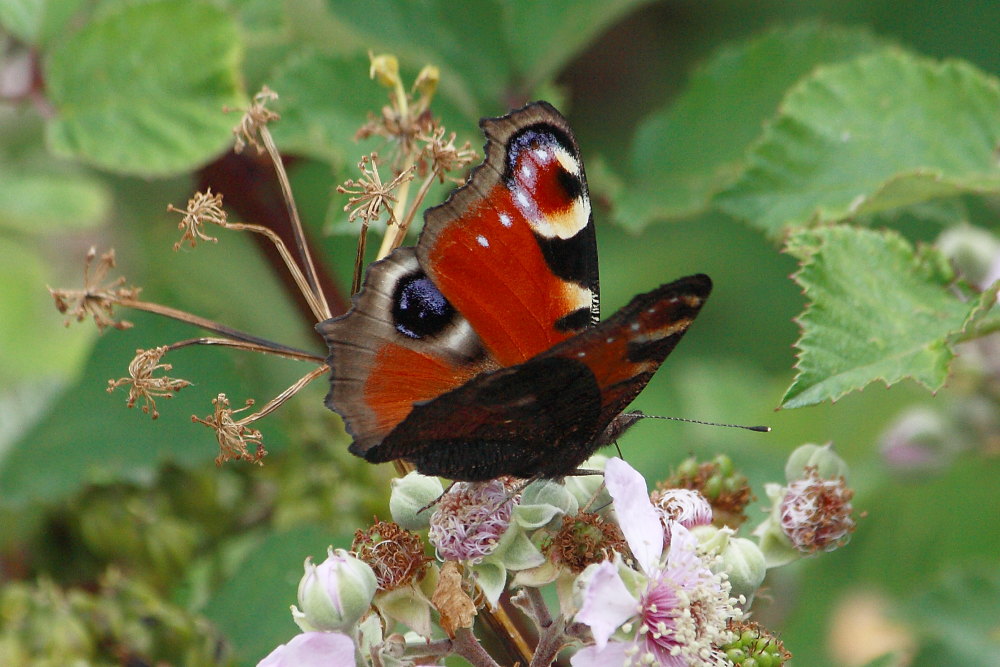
(514, 249)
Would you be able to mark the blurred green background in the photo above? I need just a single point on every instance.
(111, 110)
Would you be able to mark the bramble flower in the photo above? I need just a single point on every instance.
(813, 512)
(470, 519)
(95, 300)
(334, 595)
(411, 498)
(674, 611)
(685, 506)
(203, 207)
(144, 385)
(816, 513)
(313, 649)
(396, 556)
(726, 489)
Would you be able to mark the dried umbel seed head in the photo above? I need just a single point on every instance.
(95, 299)
(816, 513)
(142, 385)
(586, 538)
(395, 555)
(235, 436)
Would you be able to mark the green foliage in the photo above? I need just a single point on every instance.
(149, 105)
(880, 132)
(879, 311)
(682, 155)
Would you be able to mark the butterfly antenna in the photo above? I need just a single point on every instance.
(758, 429)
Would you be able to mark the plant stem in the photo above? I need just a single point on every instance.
(315, 292)
(212, 325)
(467, 646)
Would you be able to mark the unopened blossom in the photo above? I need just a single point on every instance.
(334, 595)
(470, 519)
(674, 612)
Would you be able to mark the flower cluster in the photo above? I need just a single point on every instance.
(643, 579)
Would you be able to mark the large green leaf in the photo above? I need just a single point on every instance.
(38, 202)
(880, 132)
(141, 91)
(33, 345)
(879, 310)
(90, 435)
(681, 156)
(957, 617)
(252, 607)
(37, 21)
(486, 50)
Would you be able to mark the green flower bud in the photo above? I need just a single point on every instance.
(385, 69)
(411, 494)
(334, 595)
(822, 457)
(971, 250)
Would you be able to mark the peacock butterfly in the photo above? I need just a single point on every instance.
(480, 351)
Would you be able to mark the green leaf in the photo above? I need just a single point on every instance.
(486, 49)
(323, 100)
(879, 311)
(51, 202)
(142, 90)
(33, 344)
(251, 608)
(881, 132)
(90, 435)
(36, 21)
(681, 156)
(957, 617)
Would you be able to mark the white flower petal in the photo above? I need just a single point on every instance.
(607, 603)
(638, 519)
(591, 656)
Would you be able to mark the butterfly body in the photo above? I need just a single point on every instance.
(479, 352)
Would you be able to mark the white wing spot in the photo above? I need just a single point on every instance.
(522, 198)
(526, 173)
(651, 310)
(609, 339)
(483, 241)
(542, 154)
(505, 220)
(581, 354)
(635, 326)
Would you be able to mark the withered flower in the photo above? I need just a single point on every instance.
(256, 118)
(443, 155)
(143, 385)
(234, 436)
(369, 194)
(203, 207)
(95, 300)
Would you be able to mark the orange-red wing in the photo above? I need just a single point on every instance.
(514, 250)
